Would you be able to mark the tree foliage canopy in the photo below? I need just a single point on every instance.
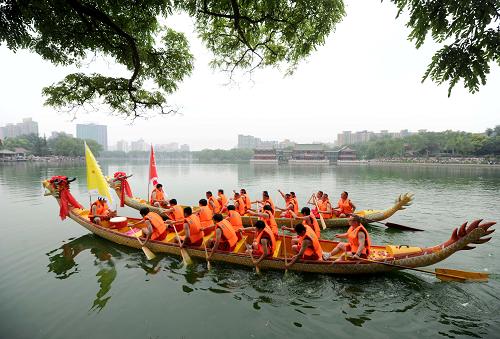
(242, 34)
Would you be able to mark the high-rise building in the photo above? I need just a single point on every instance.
(122, 145)
(28, 126)
(98, 133)
(139, 145)
(251, 142)
(184, 148)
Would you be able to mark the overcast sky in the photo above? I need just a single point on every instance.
(366, 76)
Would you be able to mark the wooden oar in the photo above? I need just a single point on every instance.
(441, 273)
(323, 225)
(209, 267)
(185, 255)
(147, 252)
(257, 269)
(392, 225)
(284, 245)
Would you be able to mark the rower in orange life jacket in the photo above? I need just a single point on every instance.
(311, 201)
(344, 207)
(246, 199)
(192, 229)
(309, 220)
(326, 207)
(175, 213)
(155, 227)
(267, 216)
(289, 206)
(264, 242)
(213, 203)
(266, 200)
(358, 242)
(239, 204)
(158, 197)
(235, 219)
(99, 211)
(222, 199)
(308, 247)
(225, 236)
(204, 213)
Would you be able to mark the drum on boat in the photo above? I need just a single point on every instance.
(118, 222)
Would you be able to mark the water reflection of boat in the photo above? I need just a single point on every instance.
(408, 256)
(401, 203)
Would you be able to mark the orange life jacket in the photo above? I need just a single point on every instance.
(316, 246)
(241, 208)
(327, 205)
(235, 220)
(159, 227)
(268, 234)
(270, 203)
(195, 232)
(222, 200)
(160, 196)
(177, 214)
(205, 216)
(352, 237)
(217, 207)
(101, 208)
(228, 233)
(345, 206)
(271, 222)
(247, 201)
(313, 223)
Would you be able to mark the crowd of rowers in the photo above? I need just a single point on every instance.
(193, 225)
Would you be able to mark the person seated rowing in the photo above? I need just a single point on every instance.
(158, 197)
(344, 207)
(193, 232)
(308, 219)
(155, 227)
(358, 242)
(266, 200)
(246, 198)
(222, 199)
(175, 212)
(204, 213)
(267, 216)
(312, 201)
(289, 206)
(326, 207)
(100, 211)
(239, 204)
(308, 246)
(225, 236)
(295, 202)
(234, 218)
(264, 242)
(213, 203)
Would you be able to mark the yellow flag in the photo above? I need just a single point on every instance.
(95, 180)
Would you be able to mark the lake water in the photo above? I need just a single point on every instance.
(59, 281)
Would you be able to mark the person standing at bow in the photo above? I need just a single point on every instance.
(158, 197)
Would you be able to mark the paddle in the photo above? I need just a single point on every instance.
(323, 225)
(185, 256)
(284, 245)
(209, 267)
(257, 269)
(393, 225)
(441, 273)
(147, 252)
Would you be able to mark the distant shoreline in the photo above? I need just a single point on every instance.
(415, 163)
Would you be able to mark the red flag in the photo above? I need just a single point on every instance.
(153, 174)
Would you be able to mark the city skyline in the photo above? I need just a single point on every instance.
(338, 88)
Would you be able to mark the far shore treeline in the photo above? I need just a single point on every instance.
(421, 145)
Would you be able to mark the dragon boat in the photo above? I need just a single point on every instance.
(462, 238)
(119, 181)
